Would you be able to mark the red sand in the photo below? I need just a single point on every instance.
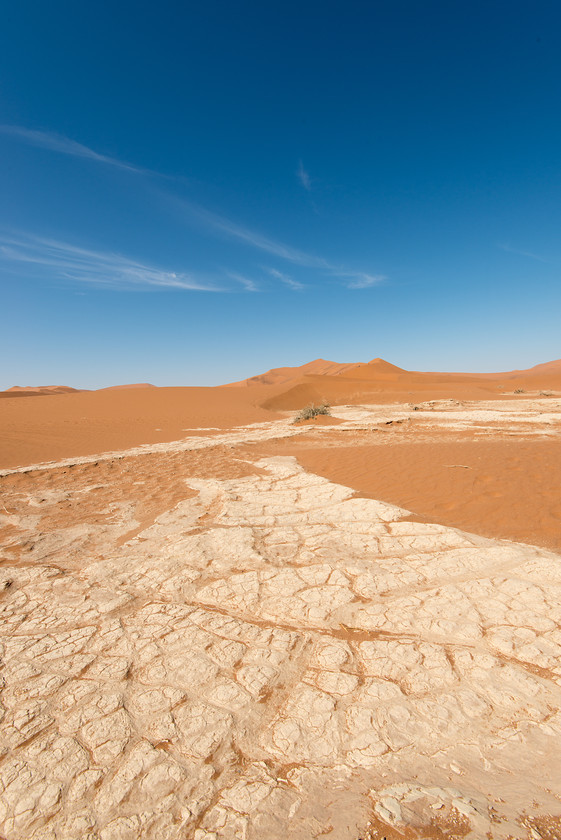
(90, 422)
(37, 390)
(87, 422)
(128, 387)
(512, 488)
(288, 389)
(509, 489)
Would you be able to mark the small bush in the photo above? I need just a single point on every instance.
(519, 391)
(312, 411)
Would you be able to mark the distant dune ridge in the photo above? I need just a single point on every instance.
(74, 423)
(547, 367)
(82, 422)
(319, 367)
(378, 380)
(127, 387)
(37, 390)
(376, 372)
(52, 388)
(277, 376)
(380, 369)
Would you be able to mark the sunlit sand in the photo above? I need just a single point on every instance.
(217, 623)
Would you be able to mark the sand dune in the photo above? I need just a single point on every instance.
(203, 639)
(127, 387)
(85, 422)
(321, 367)
(375, 370)
(202, 642)
(553, 367)
(279, 376)
(378, 381)
(385, 387)
(379, 368)
(37, 390)
(498, 487)
(33, 388)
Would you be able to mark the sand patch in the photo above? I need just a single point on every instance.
(199, 642)
(510, 489)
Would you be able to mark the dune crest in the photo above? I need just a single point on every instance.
(27, 388)
(37, 390)
(205, 640)
(118, 417)
(287, 389)
(127, 387)
(278, 376)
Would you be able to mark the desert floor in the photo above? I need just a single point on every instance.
(244, 628)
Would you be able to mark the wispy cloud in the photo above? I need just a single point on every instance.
(225, 227)
(360, 280)
(214, 221)
(248, 284)
(284, 278)
(61, 260)
(521, 253)
(44, 252)
(63, 145)
(304, 177)
(233, 230)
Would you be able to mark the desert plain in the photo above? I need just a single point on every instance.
(220, 624)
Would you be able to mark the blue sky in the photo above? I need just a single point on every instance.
(192, 193)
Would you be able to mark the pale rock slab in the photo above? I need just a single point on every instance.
(273, 658)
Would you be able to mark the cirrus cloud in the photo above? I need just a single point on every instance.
(62, 260)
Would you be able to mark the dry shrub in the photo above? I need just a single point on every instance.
(311, 411)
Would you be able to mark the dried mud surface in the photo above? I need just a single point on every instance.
(202, 640)
(498, 482)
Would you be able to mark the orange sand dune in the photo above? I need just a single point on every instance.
(377, 381)
(278, 376)
(346, 390)
(378, 369)
(37, 390)
(544, 376)
(510, 489)
(127, 387)
(547, 368)
(40, 388)
(88, 422)
(500, 488)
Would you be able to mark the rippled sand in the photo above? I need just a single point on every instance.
(204, 639)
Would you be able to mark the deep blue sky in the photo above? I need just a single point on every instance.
(195, 192)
